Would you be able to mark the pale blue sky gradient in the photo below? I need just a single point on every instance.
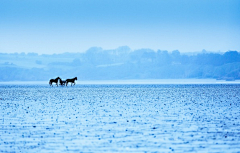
(57, 26)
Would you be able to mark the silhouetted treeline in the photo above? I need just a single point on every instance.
(121, 63)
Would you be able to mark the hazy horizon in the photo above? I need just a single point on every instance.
(121, 63)
(111, 49)
(48, 27)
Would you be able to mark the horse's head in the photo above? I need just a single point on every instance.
(75, 78)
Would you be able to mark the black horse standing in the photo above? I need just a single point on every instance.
(54, 81)
(71, 80)
(62, 82)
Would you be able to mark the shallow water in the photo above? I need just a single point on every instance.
(120, 118)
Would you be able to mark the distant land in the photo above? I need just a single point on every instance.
(120, 64)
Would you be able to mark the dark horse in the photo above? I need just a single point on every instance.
(71, 80)
(62, 82)
(54, 80)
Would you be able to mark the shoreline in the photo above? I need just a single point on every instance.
(131, 81)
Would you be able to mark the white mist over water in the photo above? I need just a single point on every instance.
(136, 81)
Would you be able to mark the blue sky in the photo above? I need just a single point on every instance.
(57, 26)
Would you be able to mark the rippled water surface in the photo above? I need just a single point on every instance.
(120, 118)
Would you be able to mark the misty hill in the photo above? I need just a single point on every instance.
(120, 63)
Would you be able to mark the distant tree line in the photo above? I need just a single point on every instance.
(121, 63)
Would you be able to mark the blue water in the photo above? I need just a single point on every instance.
(120, 118)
